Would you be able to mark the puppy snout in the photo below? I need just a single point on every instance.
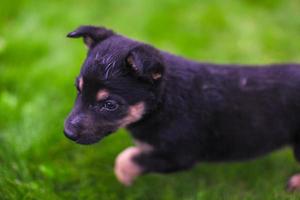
(72, 128)
(76, 121)
(71, 134)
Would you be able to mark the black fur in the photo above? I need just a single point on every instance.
(194, 111)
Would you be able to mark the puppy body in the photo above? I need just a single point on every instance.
(223, 113)
(184, 111)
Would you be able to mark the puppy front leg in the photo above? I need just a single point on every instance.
(294, 181)
(135, 161)
(126, 169)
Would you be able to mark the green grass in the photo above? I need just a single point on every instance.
(37, 69)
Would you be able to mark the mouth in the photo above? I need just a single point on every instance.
(91, 139)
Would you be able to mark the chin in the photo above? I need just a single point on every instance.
(91, 139)
(87, 141)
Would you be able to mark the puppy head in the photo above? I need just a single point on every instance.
(118, 85)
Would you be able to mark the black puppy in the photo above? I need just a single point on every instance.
(179, 111)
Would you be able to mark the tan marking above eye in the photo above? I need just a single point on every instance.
(156, 75)
(135, 113)
(80, 84)
(102, 94)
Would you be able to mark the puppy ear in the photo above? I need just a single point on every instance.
(146, 62)
(91, 34)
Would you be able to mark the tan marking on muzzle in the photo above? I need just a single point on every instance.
(80, 84)
(135, 113)
(102, 94)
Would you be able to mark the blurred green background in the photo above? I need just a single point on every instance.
(38, 65)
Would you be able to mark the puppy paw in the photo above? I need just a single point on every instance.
(126, 169)
(294, 183)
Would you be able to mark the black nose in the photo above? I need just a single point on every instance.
(71, 135)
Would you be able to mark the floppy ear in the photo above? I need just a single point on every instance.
(91, 34)
(146, 62)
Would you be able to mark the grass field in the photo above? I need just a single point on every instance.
(37, 69)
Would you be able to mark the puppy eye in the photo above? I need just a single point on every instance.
(110, 105)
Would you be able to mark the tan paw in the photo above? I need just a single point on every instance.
(125, 169)
(294, 183)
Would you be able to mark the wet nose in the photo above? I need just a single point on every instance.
(71, 135)
(73, 127)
